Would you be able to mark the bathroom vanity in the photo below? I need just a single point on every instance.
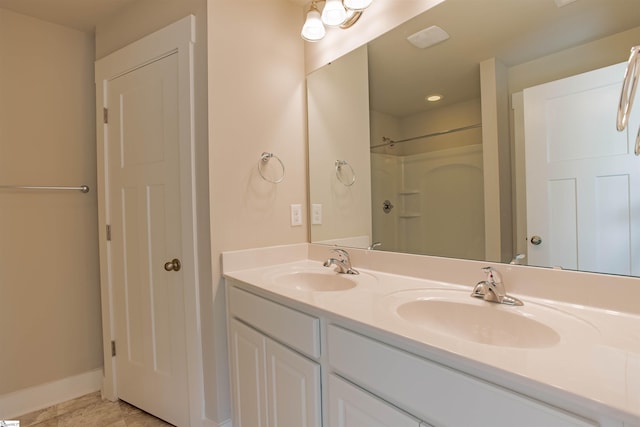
(312, 347)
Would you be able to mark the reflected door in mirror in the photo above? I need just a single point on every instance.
(583, 181)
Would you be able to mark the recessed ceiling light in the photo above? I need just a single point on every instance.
(433, 98)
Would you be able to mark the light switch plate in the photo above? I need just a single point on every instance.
(316, 214)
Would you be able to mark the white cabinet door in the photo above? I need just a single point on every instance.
(294, 388)
(272, 385)
(349, 406)
(248, 377)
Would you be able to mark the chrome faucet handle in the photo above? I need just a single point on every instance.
(485, 291)
(516, 259)
(345, 261)
(494, 281)
(343, 256)
(493, 290)
(493, 275)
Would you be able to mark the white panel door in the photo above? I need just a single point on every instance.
(351, 407)
(294, 388)
(582, 179)
(148, 300)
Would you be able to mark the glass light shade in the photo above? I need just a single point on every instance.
(333, 13)
(357, 4)
(313, 29)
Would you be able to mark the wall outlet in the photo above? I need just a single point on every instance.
(316, 214)
(296, 215)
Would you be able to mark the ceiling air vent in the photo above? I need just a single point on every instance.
(428, 37)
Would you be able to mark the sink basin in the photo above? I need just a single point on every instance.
(315, 281)
(456, 314)
(484, 324)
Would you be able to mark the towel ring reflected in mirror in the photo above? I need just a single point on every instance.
(628, 92)
(264, 159)
(340, 167)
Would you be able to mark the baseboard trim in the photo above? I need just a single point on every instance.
(42, 396)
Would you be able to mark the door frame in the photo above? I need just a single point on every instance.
(179, 39)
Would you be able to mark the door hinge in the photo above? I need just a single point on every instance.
(113, 349)
(105, 115)
(108, 233)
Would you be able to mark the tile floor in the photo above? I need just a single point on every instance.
(91, 411)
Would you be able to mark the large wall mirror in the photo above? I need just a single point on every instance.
(519, 161)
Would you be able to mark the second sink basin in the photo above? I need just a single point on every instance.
(456, 314)
(484, 324)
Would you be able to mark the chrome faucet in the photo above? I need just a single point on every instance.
(492, 289)
(374, 245)
(343, 262)
(516, 259)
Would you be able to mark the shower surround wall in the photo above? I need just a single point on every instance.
(49, 278)
(420, 179)
(426, 218)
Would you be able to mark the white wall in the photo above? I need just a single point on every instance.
(49, 275)
(386, 176)
(441, 203)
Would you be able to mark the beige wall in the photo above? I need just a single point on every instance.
(49, 280)
(256, 104)
(338, 103)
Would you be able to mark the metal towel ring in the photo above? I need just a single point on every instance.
(339, 164)
(264, 159)
(629, 85)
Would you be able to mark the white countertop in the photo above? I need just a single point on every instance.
(595, 364)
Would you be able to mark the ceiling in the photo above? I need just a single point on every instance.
(513, 31)
(82, 15)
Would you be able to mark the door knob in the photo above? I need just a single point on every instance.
(536, 240)
(173, 265)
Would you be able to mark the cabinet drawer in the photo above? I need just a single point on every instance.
(434, 393)
(293, 328)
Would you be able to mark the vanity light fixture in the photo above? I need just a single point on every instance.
(313, 28)
(335, 13)
(357, 4)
